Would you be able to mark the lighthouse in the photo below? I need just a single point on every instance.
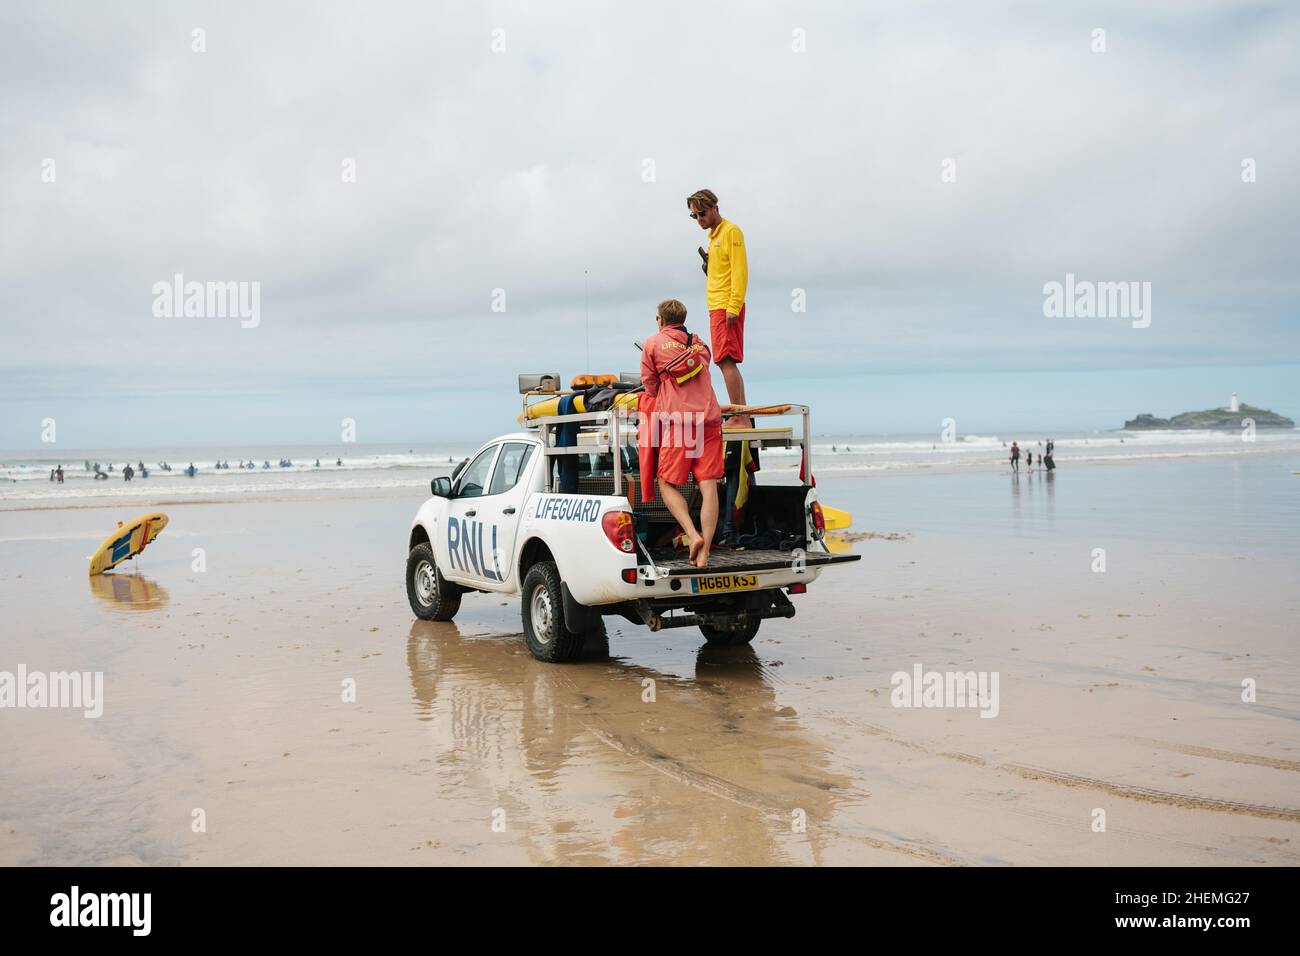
(1234, 405)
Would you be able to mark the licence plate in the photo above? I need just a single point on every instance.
(724, 582)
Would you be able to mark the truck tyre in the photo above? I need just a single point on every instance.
(432, 597)
(736, 637)
(543, 609)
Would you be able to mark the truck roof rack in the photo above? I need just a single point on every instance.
(615, 428)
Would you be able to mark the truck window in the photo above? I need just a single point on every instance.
(514, 456)
(474, 477)
(597, 465)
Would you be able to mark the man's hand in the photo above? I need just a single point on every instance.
(732, 317)
(705, 256)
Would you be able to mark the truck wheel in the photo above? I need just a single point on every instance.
(432, 597)
(736, 637)
(543, 608)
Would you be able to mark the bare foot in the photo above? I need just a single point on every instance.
(702, 561)
(697, 543)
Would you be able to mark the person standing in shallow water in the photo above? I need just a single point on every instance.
(1015, 457)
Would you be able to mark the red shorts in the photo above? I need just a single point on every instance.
(679, 458)
(728, 337)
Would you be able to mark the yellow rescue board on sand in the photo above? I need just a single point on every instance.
(130, 538)
(128, 592)
(836, 520)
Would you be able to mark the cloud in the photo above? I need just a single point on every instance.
(523, 170)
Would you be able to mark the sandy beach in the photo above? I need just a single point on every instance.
(1120, 691)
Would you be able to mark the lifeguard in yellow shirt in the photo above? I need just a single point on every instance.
(728, 276)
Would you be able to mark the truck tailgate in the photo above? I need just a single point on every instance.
(739, 562)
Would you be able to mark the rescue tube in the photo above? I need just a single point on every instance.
(550, 406)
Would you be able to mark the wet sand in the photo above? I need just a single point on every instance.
(1118, 691)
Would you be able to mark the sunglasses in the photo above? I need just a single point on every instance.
(701, 214)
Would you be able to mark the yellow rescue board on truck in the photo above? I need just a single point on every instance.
(724, 582)
(836, 520)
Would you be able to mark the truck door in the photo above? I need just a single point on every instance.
(503, 506)
(460, 551)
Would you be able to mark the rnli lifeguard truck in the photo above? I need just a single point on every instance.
(502, 525)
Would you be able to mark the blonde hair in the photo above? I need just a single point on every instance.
(672, 312)
(703, 199)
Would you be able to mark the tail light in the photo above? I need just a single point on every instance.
(799, 588)
(818, 520)
(618, 528)
(629, 575)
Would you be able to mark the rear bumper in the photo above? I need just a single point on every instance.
(746, 562)
(674, 578)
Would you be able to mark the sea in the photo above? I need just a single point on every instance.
(25, 475)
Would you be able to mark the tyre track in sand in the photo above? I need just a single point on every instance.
(724, 789)
(775, 811)
(1232, 756)
(1186, 801)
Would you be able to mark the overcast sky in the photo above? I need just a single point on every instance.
(557, 167)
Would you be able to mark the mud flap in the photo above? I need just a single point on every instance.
(578, 618)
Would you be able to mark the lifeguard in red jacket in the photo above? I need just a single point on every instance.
(686, 423)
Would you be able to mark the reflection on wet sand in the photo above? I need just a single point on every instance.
(608, 761)
(128, 592)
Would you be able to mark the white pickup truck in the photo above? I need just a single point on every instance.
(501, 525)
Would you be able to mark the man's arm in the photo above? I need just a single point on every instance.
(649, 374)
(739, 272)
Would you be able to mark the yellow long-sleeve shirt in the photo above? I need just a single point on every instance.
(728, 268)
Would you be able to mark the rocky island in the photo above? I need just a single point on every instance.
(1223, 419)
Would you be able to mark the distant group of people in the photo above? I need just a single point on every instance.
(250, 464)
(57, 474)
(1046, 461)
(129, 471)
(283, 463)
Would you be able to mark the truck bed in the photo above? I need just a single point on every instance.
(738, 562)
